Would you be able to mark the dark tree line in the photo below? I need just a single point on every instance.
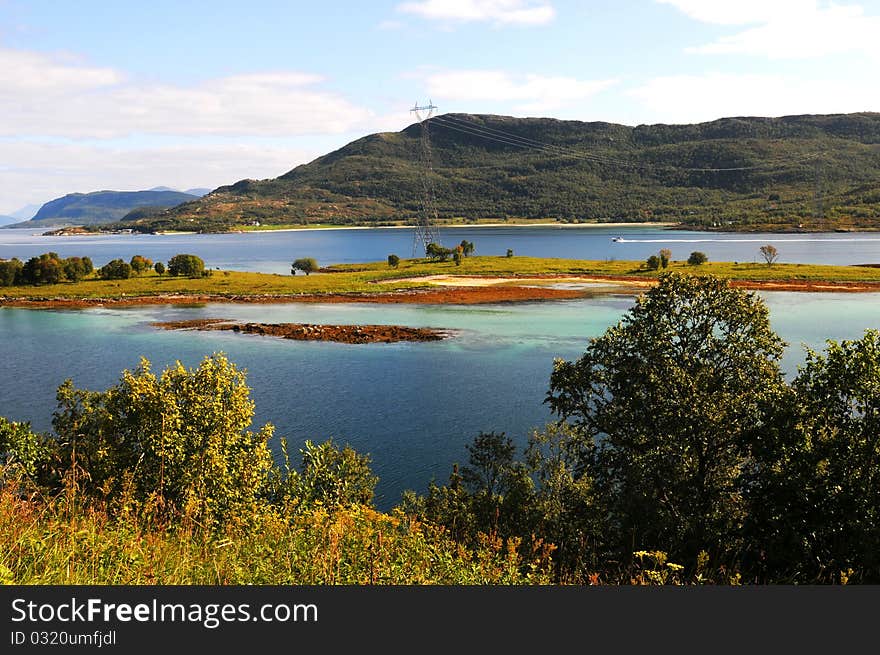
(49, 268)
(678, 437)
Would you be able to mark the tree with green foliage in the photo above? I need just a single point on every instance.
(565, 504)
(467, 248)
(159, 267)
(21, 450)
(77, 268)
(393, 261)
(115, 269)
(47, 268)
(491, 455)
(769, 253)
(10, 272)
(328, 475)
(673, 398)
(306, 265)
(510, 252)
(179, 439)
(696, 258)
(436, 252)
(493, 494)
(652, 263)
(140, 264)
(665, 257)
(186, 265)
(815, 492)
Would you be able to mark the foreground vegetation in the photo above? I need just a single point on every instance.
(681, 455)
(363, 278)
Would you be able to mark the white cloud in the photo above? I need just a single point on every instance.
(697, 98)
(33, 73)
(532, 93)
(46, 96)
(508, 12)
(786, 29)
(37, 172)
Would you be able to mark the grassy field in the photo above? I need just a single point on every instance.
(362, 278)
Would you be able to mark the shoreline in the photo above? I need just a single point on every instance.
(445, 290)
(467, 225)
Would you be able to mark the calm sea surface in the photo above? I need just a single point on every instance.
(412, 407)
(273, 252)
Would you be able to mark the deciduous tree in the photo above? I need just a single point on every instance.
(674, 396)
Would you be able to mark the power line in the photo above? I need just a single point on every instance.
(426, 231)
(508, 138)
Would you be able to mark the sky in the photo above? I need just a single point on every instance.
(101, 94)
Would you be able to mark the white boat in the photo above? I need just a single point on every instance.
(617, 239)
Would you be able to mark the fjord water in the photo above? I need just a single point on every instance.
(412, 406)
(272, 252)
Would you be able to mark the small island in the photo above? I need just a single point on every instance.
(355, 334)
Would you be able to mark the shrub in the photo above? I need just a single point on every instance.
(697, 258)
(115, 269)
(159, 267)
(665, 257)
(139, 264)
(180, 437)
(10, 270)
(48, 268)
(393, 261)
(306, 265)
(510, 252)
(186, 265)
(653, 263)
(769, 253)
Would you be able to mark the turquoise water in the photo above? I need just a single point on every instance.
(272, 252)
(412, 406)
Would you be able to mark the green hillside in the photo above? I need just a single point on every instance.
(819, 172)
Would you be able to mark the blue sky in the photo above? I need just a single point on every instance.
(123, 95)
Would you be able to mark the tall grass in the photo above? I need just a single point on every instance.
(61, 540)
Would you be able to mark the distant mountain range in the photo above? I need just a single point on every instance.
(6, 220)
(792, 172)
(100, 207)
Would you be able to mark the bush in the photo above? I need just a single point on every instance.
(769, 253)
(393, 261)
(186, 265)
(115, 269)
(306, 265)
(653, 263)
(697, 258)
(10, 270)
(436, 252)
(140, 264)
(20, 448)
(329, 475)
(159, 267)
(48, 268)
(510, 252)
(180, 438)
(665, 257)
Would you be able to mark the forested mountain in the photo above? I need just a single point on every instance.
(103, 206)
(816, 171)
